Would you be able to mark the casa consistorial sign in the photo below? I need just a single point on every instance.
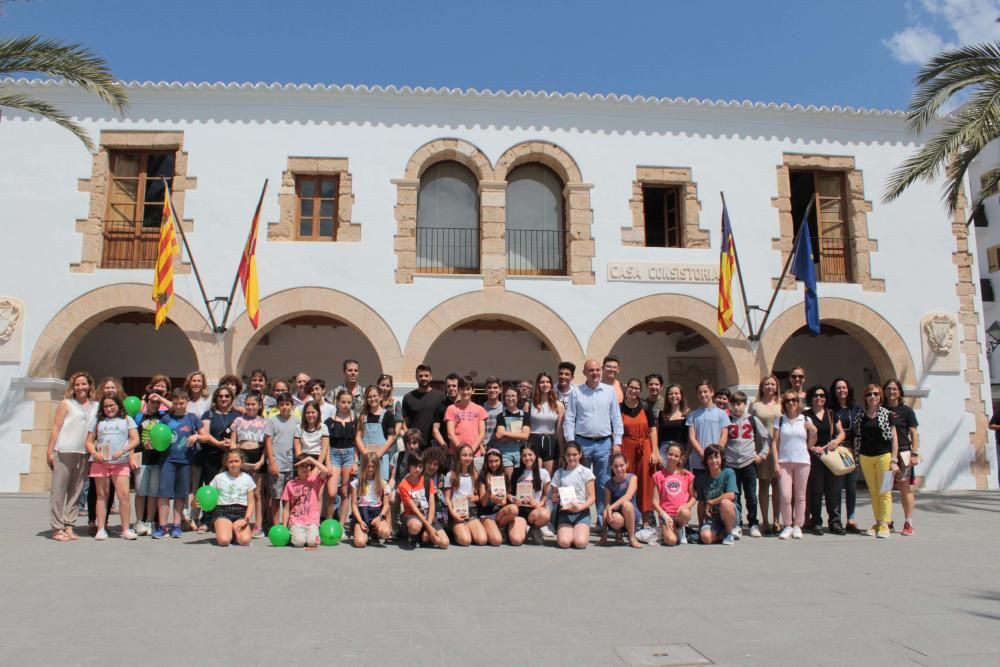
(656, 272)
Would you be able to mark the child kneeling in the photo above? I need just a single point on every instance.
(416, 495)
(303, 500)
(231, 517)
(370, 503)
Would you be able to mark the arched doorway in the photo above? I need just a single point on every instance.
(488, 346)
(316, 344)
(675, 350)
(128, 346)
(831, 355)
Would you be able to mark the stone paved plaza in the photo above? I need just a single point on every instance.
(933, 599)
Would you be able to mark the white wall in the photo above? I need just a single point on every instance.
(510, 355)
(320, 351)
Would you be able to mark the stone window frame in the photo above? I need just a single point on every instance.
(284, 229)
(493, 206)
(97, 186)
(858, 209)
(692, 234)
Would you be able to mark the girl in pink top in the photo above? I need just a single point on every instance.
(673, 497)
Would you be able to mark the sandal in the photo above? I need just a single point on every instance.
(71, 535)
(60, 536)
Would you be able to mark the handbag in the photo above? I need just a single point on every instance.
(840, 461)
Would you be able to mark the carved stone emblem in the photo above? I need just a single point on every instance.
(10, 313)
(940, 332)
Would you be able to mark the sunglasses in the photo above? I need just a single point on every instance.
(872, 393)
(819, 395)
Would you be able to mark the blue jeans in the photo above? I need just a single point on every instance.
(596, 454)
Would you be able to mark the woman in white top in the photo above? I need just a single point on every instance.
(67, 454)
(794, 434)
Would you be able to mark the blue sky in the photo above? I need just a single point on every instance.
(847, 52)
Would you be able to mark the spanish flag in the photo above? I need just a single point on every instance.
(163, 277)
(248, 268)
(727, 264)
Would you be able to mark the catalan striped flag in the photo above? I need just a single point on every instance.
(248, 268)
(163, 277)
(727, 264)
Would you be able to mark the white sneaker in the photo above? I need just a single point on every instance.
(786, 533)
(101, 535)
(754, 531)
(682, 535)
(128, 534)
(796, 533)
(737, 532)
(142, 528)
(547, 532)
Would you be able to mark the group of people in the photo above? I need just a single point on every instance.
(533, 460)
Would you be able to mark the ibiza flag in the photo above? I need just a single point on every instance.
(727, 264)
(804, 269)
(248, 268)
(163, 277)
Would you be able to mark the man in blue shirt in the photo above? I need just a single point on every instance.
(594, 421)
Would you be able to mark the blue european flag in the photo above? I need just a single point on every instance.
(804, 269)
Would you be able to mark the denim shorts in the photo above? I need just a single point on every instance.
(341, 458)
(574, 518)
(147, 480)
(276, 483)
(510, 452)
(175, 480)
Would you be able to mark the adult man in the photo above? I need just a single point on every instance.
(421, 404)
(609, 375)
(594, 421)
(654, 398)
(564, 386)
(438, 432)
(351, 370)
(493, 405)
(301, 396)
(525, 389)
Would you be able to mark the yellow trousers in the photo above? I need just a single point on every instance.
(874, 469)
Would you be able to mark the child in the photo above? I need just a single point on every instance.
(531, 511)
(673, 497)
(147, 479)
(707, 425)
(369, 503)
(175, 470)
(495, 510)
(723, 399)
(112, 438)
(718, 494)
(416, 495)
(465, 525)
(231, 517)
(317, 389)
(513, 429)
(465, 421)
(248, 436)
(413, 441)
(342, 428)
(436, 469)
(619, 502)
(376, 431)
(573, 520)
(303, 497)
(279, 440)
(745, 448)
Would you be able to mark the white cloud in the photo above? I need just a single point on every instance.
(962, 21)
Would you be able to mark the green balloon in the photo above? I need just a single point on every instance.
(330, 532)
(279, 535)
(132, 406)
(208, 497)
(160, 437)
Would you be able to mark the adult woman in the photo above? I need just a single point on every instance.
(822, 482)
(848, 413)
(279, 387)
(640, 447)
(875, 438)
(197, 390)
(215, 438)
(797, 381)
(794, 435)
(767, 408)
(547, 414)
(67, 454)
(390, 403)
(110, 386)
(258, 383)
(672, 423)
(905, 422)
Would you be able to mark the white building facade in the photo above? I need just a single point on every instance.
(481, 233)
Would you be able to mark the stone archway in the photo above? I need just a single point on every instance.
(64, 332)
(498, 305)
(879, 338)
(302, 301)
(736, 364)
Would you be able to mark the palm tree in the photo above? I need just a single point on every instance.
(970, 70)
(73, 62)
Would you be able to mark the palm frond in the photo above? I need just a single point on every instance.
(50, 112)
(949, 73)
(72, 62)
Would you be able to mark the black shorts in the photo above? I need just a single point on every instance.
(253, 455)
(546, 447)
(368, 515)
(523, 512)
